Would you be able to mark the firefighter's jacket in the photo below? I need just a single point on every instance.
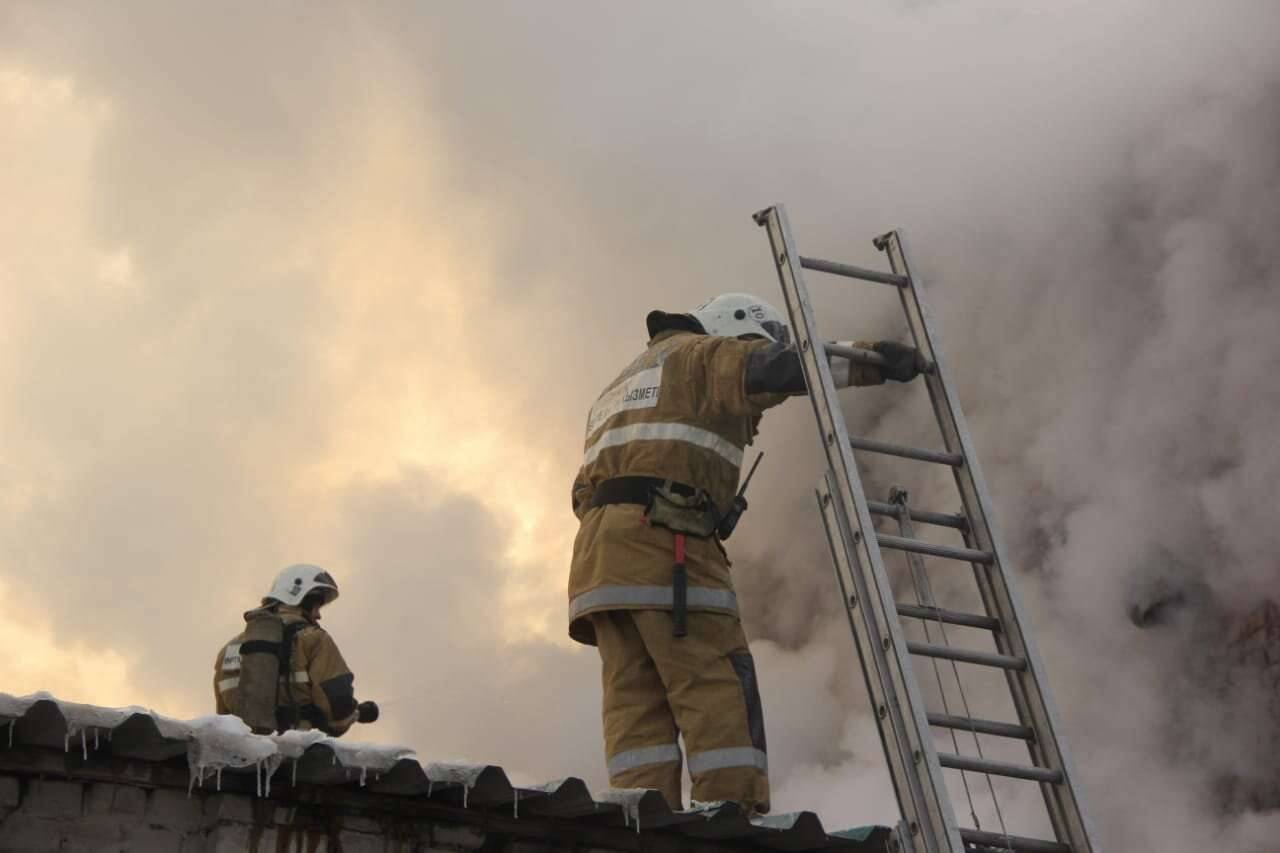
(318, 691)
(684, 410)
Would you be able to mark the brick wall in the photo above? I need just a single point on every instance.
(40, 814)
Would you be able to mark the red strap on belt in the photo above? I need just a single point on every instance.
(679, 591)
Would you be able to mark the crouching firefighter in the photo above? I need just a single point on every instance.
(649, 583)
(284, 671)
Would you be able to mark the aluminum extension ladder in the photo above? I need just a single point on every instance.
(928, 823)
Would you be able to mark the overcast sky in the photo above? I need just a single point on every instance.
(337, 283)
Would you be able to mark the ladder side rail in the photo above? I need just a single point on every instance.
(876, 669)
(979, 533)
(1062, 802)
(1009, 641)
(910, 732)
(1030, 689)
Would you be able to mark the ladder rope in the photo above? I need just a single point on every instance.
(942, 691)
(905, 513)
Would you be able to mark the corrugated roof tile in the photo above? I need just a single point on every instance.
(313, 760)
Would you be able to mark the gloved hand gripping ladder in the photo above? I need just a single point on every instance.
(928, 820)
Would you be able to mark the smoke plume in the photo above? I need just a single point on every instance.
(339, 284)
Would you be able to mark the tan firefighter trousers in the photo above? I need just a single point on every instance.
(702, 686)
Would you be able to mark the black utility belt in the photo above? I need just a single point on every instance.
(675, 506)
(635, 490)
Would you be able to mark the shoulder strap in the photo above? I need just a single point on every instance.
(291, 631)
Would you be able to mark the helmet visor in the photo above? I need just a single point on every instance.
(327, 586)
(778, 331)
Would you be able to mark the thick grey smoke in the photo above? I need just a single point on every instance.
(246, 239)
(1120, 384)
(1119, 376)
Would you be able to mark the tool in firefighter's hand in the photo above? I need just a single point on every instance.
(903, 362)
(724, 528)
(367, 712)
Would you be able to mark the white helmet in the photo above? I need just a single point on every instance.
(294, 582)
(732, 315)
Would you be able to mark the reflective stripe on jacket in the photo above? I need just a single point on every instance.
(320, 686)
(684, 410)
(681, 412)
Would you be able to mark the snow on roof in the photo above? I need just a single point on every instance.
(217, 744)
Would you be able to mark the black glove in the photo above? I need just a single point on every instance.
(903, 363)
(367, 712)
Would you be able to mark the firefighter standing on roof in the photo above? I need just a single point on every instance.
(284, 671)
(649, 583)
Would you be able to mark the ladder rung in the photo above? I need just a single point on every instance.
(967, 656)
(901, 543)
(999, 768)
(951, 617)
(941, 519)
(982, 727)
(850, 271)
(955, 460)
(996, 841)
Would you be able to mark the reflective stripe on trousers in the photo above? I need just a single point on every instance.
(705, 439)
(720, 759)
(658, 597)
(633, 758)
(657, 687)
